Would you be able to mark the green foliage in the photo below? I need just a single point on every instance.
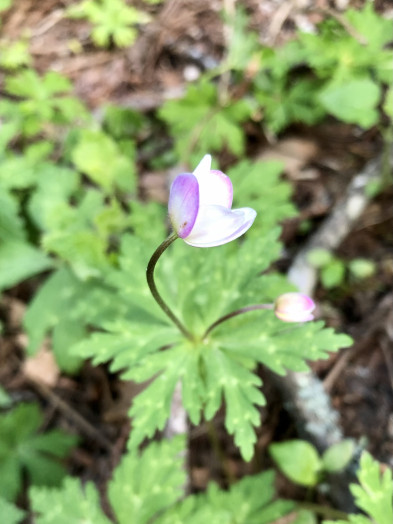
(201, 289)
(249, 501)
(44, 100)
(19, 261)
(242, 44)
(354, 101)
(99, 157)
(5, 4)
(71, 504)
(338, 455)
(331, 71)
(332, 275)
(111, 19)
(200, 122)
(333, 270)
(10, 514)
(361, 268)
(298, 460)
(143, 486)
(374, 495)
(257, 183)
(22, 448)
(14, 54)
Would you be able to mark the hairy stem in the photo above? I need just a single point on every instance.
(234, 314)
(153, 288)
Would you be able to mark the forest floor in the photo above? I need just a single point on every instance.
(183, 38)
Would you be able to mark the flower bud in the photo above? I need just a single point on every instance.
(294, 307)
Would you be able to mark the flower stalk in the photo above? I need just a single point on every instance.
(153, 288)
(240, 311)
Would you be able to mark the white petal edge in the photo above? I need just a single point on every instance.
(204, 166)
(217, 225)
(215, 188)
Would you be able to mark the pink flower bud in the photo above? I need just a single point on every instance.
(294, 307)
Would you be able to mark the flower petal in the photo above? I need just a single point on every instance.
(204, 166)
(216, 225)
(183, 203)
(215, 188)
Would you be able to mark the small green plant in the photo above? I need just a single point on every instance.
(23, 450)
(334, 271)
(14, 54)
(300, 461)
(210, 124)
(44, 100)
(374, 495)
(112, 20)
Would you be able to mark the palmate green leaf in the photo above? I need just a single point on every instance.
(145, 484)
(281, 347)
(376, 28)
(208, 126)
(70, 505)
(201, 289)
(374, 495)
(23, 449)
(111, 19)
(249, 501)
(10, 514)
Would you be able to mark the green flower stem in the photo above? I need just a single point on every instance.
(234, 314)
(153, 288)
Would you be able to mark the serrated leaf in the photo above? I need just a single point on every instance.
(145, 485)
(377, 29)
(225, 378)
(151, 408)
(298, 460)
(374, 495)
(71, 504)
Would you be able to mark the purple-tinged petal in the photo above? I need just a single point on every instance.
(183, 203)
(294, 307)
(216, 225)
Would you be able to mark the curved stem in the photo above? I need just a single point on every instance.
(153, 288)
(234, 314)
